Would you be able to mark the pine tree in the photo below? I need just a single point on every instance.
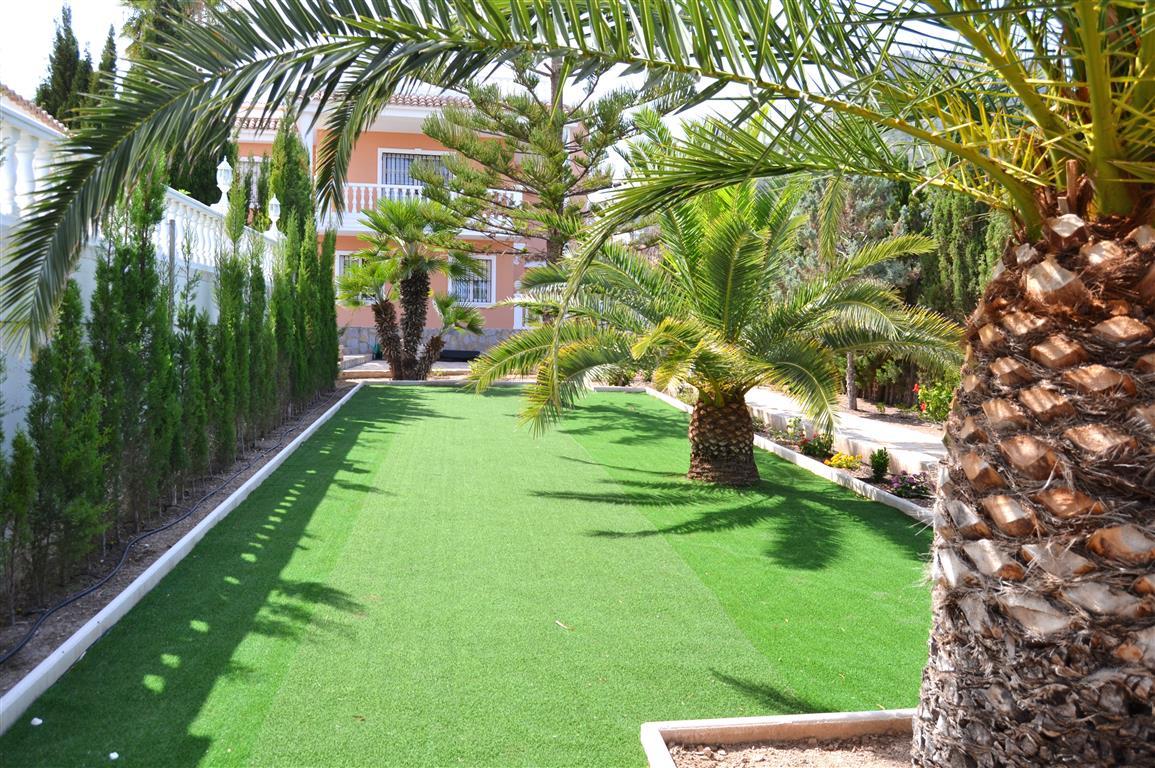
(533, 140)
(59, 93)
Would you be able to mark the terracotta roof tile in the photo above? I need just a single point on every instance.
(30, 109)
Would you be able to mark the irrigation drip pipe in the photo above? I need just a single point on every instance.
(48, 612)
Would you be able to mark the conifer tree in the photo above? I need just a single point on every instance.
(162, 412)
(60, 92)
(327, 305)
(548, 138)
(261, 398)
(190, 169)
(290, 179)
(103, 82)
(64, 425)
(199, 396)
(281, 319)
(19, 495)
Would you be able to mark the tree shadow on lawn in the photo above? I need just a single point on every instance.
(807, 514)
(773, 700)
(141, 687)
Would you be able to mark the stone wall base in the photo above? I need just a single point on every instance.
(360, 340)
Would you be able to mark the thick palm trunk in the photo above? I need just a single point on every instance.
(1043, 645)
(385, 320)
(722, 444)
(415, 304)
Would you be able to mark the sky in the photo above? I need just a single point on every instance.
(28, 29)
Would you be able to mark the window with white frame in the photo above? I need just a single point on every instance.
(477, 288)
(396, 167)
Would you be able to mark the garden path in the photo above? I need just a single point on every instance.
(917, 446)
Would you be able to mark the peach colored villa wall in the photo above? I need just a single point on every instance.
(364, 166)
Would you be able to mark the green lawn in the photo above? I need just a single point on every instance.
(426, 583)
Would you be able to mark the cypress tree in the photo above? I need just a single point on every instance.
(162, 401)
(59, 93)
(260, 403)
(290, 180)
(105, 333)
(327, 298)
(281, 322)
(64, 425)
(16, 504)
(191, 170)
(199, 396)
(103, 82)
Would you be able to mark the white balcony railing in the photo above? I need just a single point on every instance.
(360, 197)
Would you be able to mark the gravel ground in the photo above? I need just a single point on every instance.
(862, 752)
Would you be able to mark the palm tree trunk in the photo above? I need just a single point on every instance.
(722, 444)
(385, 320)
(1042, 650)
(851, 384)
(415, 304)
(428, 357)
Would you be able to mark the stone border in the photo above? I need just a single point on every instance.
(862, 488)
(901, 459)
(657, 737)
(22, 695)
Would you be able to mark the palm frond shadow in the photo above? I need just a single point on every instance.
(769, 698)
(804, 534)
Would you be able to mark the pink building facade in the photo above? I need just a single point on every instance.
(380, 168)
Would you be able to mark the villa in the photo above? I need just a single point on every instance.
(380, 169)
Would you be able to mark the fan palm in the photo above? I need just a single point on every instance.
(408, 241)
(714, 312)
(1044, 642)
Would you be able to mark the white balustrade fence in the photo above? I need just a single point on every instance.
(188, 227)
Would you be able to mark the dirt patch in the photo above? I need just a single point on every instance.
(62, 624)
(889, 751)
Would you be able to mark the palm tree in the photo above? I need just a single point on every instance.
(1043, 646)
(410, 240)
(714, 312)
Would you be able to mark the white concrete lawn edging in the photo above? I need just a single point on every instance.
(17, 701)
(658, 737)
(845, 479)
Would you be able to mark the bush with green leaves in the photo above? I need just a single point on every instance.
(879, 464)
(817, 446)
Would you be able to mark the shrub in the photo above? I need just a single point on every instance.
(818, 446)
(846, 461)
(934, 399)
(879, 464)
(908, 486)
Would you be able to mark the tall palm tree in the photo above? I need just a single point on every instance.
(714, 312)
(1043, 646)
(408, 241)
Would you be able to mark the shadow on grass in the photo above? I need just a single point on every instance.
(769, 698)
(141, 687)
(805, 515)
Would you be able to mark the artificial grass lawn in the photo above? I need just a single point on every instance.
(426, 583)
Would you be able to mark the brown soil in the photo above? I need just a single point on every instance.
(60, 626)
(890, 751)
